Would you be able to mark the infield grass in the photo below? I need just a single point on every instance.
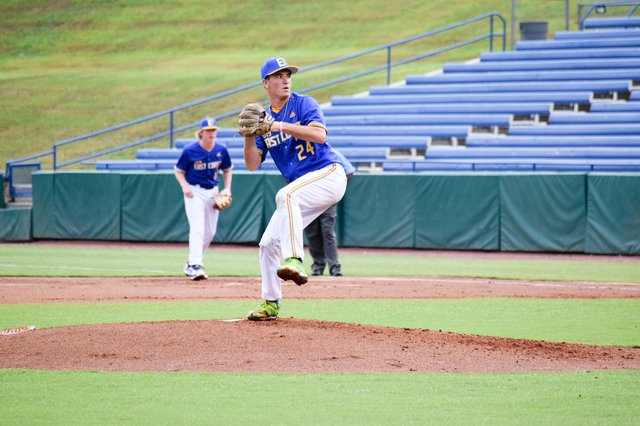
(92, 261)
(593, 321)
(80, 398)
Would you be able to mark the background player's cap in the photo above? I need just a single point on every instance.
(208, 123)
(274, 65)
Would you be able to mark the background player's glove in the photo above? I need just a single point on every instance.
(222, 200)
(254, 120)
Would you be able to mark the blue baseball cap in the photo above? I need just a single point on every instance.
(208, 123)
(273, 65)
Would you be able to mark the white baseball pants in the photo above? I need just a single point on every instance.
(203, 222)
(297, 205)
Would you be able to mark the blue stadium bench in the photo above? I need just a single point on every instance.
(378, 141)
(420, 119)
(615, 106)
(594, 117)
(577, 129)
(148, 165)
(550, 54)
(598, 35)
(556, 97)
(616, 22)
(158, 153)
(433, 131)
(543, 108)
(561, 64)
(587, 43)
(552, 141)
(543, 152)
(599, 86)
(475, 77)
(530, 164)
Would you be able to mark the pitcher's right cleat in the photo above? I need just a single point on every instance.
(293, 270)
(268, 310)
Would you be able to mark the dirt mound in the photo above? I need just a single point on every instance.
(293, 346)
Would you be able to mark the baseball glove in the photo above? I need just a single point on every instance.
(222, 200)
(254, 120)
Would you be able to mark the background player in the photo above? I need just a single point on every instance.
(321, 233)
(197, 172)
(296, 142)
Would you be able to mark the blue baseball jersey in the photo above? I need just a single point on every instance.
(201, 167)
(296, 157)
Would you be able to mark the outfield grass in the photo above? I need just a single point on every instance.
(55, 260)
(81, 398)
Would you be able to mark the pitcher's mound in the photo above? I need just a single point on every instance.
(293, 346)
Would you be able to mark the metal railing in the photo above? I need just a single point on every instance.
(494, 19)
(600, 8)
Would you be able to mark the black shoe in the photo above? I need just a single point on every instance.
(335, 271)
(317, 270)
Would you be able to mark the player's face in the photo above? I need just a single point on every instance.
(209, 135)
(279, 84)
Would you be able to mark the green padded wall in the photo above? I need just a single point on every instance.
(76, 205)
(42, 208)
(15, 224)
(243, 221)
(543, 212)
(613, 216)
(152, 208)
(509, 212)
(457, 212)
(379, 211)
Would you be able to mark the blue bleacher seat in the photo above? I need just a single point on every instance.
(420, 119)
(615, 106)
(378, 141)
(560, 64)
(600, 86)
(594, 117)
(599, 35)
(541, 152)
(549, 54)
(463, 98)
(591, 75)
(552, 141)
(432, 131)
(452, 108)
(577, 129)
(613, 22)
(593, 41)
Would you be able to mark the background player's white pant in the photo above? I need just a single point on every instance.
(203, 221)
(298, 204)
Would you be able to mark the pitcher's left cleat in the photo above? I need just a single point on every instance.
(293, 270)
(268, 310)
